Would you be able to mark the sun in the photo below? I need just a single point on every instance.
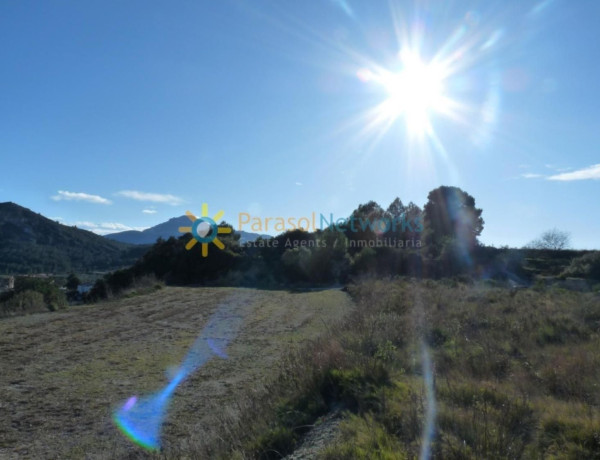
(425, 88)
(205, 230)
(414, 93)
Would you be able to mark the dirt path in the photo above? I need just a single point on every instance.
(322, 434)
(63, 374)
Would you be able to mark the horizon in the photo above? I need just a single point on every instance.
(271, 232)
(119, 117)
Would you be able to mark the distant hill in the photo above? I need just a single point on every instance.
(165, 231)
(32, 243)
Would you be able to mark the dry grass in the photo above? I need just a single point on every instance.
(516, 372)
(62, 374)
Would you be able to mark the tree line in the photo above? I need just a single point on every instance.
(447, 237)
(450, 225)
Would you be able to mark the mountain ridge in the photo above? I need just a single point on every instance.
(167, 229)
(33, 243)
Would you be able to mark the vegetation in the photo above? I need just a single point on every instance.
(72, 282)
(32, 295)
(587, 266)
(515, 375)
(452, 220)
(552, 239)
(63, 376)
(22, 303)
(513, 371)
(436, 242)
(31, 243)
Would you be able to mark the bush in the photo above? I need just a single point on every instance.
(275, 443)
(24, 302)
(54, 298)
(586, 266)
(356, 389)
(365, 438)
(570, 439)
(296, 264)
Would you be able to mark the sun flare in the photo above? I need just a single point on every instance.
(414, 93)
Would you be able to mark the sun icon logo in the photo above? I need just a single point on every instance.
(205, 230)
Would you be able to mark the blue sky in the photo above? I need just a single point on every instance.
(117, 115)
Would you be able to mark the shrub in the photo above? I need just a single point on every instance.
(356, 389)
(566, 438)
(274, 444)
(365, 438)
(24, 302)
(54, 298)
(586, 266)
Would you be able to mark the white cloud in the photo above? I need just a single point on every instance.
(152, 197)
(149, 211)
(557, 168)
(85, 223)
(104, 227)
(591, 172)
(79, 196)
(531, 175)
(298, 183)
(116, 226)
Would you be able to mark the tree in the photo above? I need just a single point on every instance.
(413, 215)
(551, 239)
(329, 261)
(450, 214)
(54, 298)
(396, 209)
(365, 224)
(72, 282)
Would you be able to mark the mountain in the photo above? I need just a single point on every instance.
(32, 243)
(165, 231)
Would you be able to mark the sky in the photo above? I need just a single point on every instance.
(120, 115)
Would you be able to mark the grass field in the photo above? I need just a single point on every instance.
(448, 369)
(63, 373)
(513, 373)
(497, 372)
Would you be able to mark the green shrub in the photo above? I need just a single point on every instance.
(355, 388)
(505, 364)
(560, 329)
(24, 302)
(274, 444)
(54, 298)
(490, 424)
(586, 266)
(570, 439)
(364, 438)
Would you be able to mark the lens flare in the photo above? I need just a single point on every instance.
(430, 414)
(141, 419)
